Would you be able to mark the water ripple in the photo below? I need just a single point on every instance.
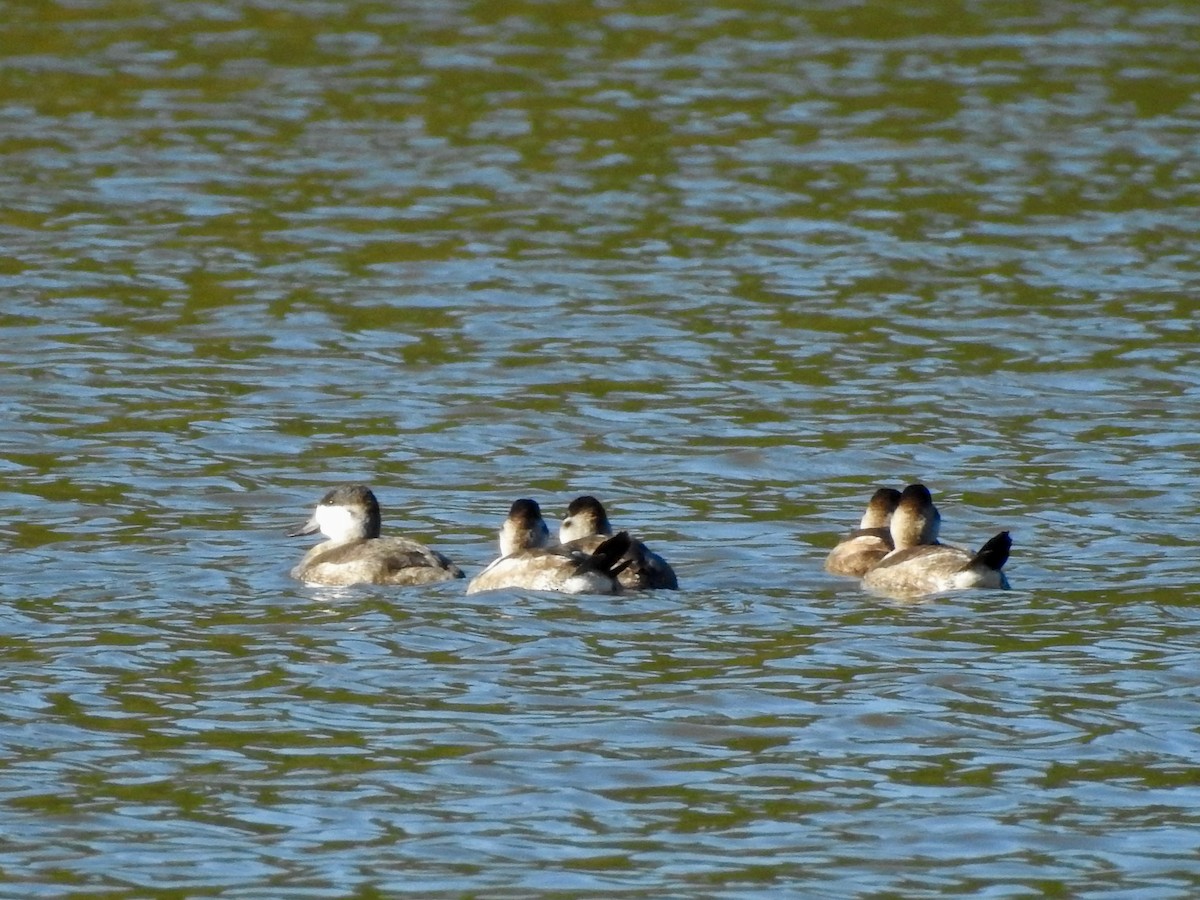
(728, 270)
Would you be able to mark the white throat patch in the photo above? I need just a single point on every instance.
(337, 522)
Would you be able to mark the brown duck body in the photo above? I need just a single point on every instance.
(859, 551)
(356, 553)
(644, 570)
(920, 565)
(586, 527)
(382, 560)
(870, 542)
(934, 568)
(527, 559)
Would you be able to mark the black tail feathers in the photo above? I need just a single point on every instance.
(609, 555)
(994, 554)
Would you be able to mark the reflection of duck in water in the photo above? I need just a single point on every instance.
(870, 542)
(356, 554)
(526, 560)
(586, 528)
(920, 565)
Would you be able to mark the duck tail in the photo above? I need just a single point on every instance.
(610, 556)
(993, 554)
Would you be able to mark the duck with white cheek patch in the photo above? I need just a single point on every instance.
(356, 553)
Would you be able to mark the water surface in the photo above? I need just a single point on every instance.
(726, 266)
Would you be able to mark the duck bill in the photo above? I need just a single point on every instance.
(309, 527)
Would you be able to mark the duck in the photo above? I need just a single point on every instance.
(920, 565)
(586, 526)
(870, 542)
(530, 559)
(355, 553)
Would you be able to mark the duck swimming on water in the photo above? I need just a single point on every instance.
(919, 565)
(528, 559)
(586, 527)
(356, 553)
(870, 542)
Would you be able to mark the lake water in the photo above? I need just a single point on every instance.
(727, 266)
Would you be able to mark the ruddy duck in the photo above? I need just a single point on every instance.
(528, 561)
(356, 554)
(586, 527)
(870, 542)
(920, 565)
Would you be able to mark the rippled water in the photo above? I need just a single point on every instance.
(727, 266)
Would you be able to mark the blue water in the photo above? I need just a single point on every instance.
(727, 270)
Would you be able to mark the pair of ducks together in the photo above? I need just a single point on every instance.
(587, 558)
(895, 549)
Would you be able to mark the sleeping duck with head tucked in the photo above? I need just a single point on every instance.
(586, 528)
(356, 553)
(870, 542)
(919, 565)
(529, 559)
